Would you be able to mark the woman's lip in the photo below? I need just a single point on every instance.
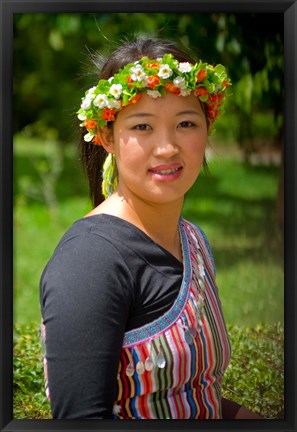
(165, 167)
(166, 174)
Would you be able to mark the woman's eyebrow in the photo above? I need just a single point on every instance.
(140, 114)
(187, 112)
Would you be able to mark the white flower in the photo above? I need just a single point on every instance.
(184, 67)
(112, 103)
(185, 92)
(81, 117)
(86, 103)
(90, 94)
(165, 71)
(100, 101)
(88, 137)
(137, 73)
(116, 90)
(154, 94)
(180, 82)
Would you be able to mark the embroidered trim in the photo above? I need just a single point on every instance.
(160, 325)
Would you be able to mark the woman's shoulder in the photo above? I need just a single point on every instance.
(94, 230)
(94, 239)
(88, 249)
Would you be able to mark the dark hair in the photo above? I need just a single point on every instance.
(93, 156)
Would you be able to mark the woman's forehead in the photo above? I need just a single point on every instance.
(169, 103)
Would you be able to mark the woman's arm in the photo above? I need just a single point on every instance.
(85, 306)
(232, 410)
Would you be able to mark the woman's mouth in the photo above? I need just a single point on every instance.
(166, 173)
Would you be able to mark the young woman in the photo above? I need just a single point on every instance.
(131, 314)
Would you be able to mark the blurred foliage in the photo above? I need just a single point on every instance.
(52, 67)
(254, 378)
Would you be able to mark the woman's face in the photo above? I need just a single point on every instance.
(159, 146)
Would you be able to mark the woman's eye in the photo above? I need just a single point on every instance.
(186, 124)
(142, 127)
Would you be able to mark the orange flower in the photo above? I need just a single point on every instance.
(109, 114)
(171, 88)
(135, 99)
(96, 140)
(225, 83)
(153, 65)
(129, 81)
(200, 91)
(90, 124)
(202, 74)
(152, 81)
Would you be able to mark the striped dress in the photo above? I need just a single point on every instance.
(172, 368)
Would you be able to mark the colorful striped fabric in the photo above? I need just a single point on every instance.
(173, 367)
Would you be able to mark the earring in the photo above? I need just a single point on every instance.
(109, 176)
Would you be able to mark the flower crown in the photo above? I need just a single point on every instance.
(155, 78)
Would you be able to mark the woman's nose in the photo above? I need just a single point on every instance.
(165, 146)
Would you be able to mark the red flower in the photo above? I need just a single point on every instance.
(225, 83)
(96, 140)
(90, 124)
(129, 80)
(171, 88)
(109, 114)
(200, 91)
(216, 98)
(202, 74)
(152, 81)
(135, 99)
(212, 114)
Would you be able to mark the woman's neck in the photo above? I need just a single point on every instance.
(158, 221)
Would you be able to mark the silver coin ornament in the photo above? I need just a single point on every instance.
(201, 282)
(192, 332)
(140, 368)
(161, 362)
(200, 258)
(130, 369)
(188, 337)
(149, 364)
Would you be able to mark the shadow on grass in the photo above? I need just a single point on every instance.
(249, 221)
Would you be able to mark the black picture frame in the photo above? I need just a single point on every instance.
(10, 7)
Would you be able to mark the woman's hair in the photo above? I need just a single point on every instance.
(93, 156)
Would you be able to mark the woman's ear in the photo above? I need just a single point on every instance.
(105, 136)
